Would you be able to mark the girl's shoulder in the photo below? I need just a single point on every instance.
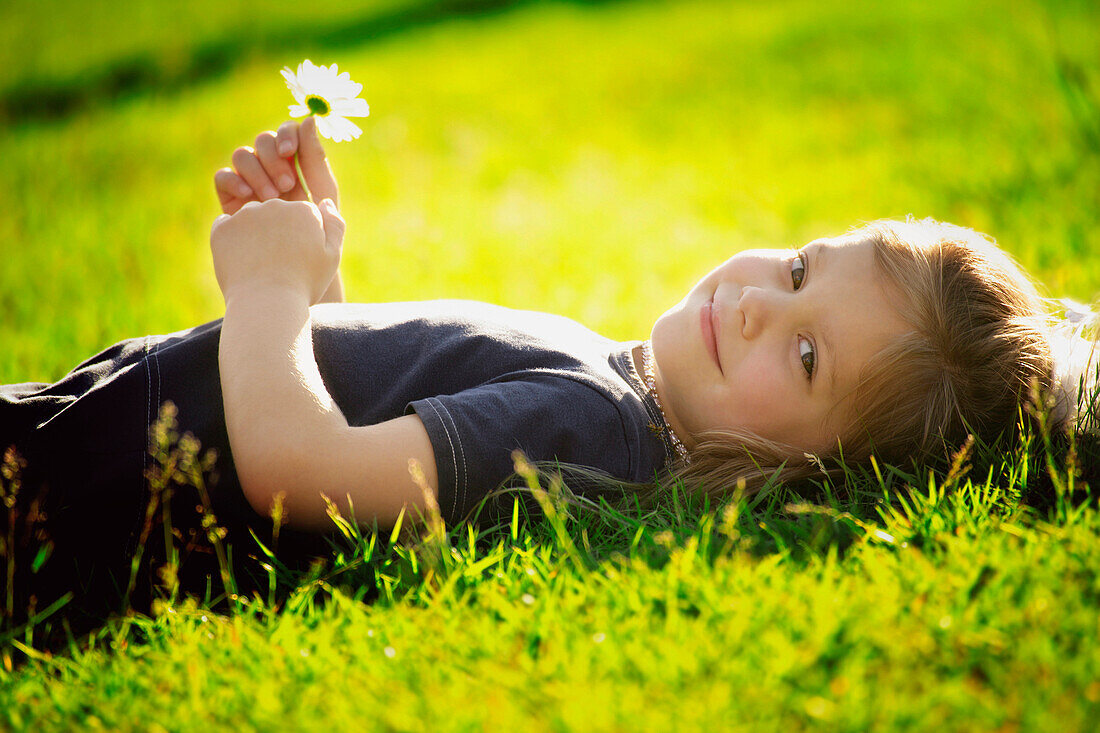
(472, 315)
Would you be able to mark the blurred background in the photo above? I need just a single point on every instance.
(586, 158)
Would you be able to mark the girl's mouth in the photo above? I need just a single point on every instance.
(710, 326)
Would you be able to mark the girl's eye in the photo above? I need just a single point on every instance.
(798, 270)
(806, 351)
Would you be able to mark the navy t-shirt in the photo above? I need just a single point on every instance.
(486, 380)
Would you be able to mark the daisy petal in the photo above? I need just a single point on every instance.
(351, 107)
(294, 87)
(324, 126)
(309, 75)
(299, 110)
(348, 88)
(343, 129)
(325, 88)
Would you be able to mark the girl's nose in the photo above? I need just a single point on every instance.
(757, 308)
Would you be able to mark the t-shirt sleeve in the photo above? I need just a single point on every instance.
(474, 432)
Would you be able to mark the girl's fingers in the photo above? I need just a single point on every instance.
(279, 170)
(315, 168)
(249, 168)
(286, 139)
(268, 171)
(231, 189)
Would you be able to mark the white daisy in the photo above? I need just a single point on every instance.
(331, 97)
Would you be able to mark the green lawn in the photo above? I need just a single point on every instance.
(590, 159)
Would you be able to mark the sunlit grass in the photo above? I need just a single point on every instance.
(957, 608)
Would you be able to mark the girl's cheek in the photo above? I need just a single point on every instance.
(761, 384)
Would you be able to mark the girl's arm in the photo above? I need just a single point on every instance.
(272, 260)
(267, 171)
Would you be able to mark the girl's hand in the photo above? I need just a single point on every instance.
(289, 248)
(267, 171)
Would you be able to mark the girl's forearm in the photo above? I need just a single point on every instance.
(277, 409)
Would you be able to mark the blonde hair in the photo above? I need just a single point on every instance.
(980, 345)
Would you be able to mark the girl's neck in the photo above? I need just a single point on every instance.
(646, 368)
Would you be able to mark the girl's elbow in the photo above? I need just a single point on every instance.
(287, 473)
(274, 492)
(260, 486)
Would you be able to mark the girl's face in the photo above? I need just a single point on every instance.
(772, 341)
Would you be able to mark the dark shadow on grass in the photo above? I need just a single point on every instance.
(52, 99)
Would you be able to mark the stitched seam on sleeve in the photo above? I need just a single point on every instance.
(465, 479)
(148, 402)
(148, 386)
(152, 405)
(454, 460)
(156, 363)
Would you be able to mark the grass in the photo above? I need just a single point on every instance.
(594, 161)
(958, 608)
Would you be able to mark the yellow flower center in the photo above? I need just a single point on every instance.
(317, 105)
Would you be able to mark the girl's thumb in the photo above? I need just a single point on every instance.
(334, 223)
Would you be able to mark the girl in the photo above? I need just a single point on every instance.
(898, 339)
